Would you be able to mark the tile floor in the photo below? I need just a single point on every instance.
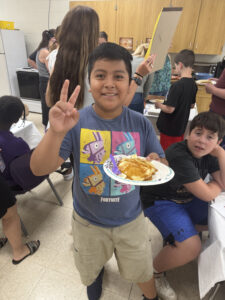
(50, 273)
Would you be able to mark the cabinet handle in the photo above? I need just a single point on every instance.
(196, 47)
(190, 45)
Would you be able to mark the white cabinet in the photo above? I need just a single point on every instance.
(4, 81)
(13, 55)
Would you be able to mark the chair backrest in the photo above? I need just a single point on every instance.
(22, 175)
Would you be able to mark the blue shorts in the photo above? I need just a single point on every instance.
(176, 222)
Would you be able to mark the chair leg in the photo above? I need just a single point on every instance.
(54, 191)
(215, 291)
(24, 230)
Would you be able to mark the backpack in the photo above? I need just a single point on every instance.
(219, 68)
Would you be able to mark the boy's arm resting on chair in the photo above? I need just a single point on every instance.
(62, 116)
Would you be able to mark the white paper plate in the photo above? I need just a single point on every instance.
(157, 100)
(205, 81)
(163, 174)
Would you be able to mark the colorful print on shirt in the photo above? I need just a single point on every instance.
(96, 146)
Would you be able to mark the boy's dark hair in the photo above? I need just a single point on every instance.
(110, 51)
(11, 109)
(210, 121)
(103, 35)
(186, 57)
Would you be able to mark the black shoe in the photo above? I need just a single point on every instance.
(94, 290)
(145, 298)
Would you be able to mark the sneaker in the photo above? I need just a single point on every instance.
(68, 175)
(163, 288)
(94, 290)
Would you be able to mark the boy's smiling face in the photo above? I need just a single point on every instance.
(109, 82)
(202, 141)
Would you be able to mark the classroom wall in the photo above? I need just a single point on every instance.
(34, 16)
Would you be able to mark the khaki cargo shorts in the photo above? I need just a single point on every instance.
(95, 245)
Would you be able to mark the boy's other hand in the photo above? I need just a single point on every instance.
(155, 156)
(158, 104)
(217, 151)
(63, 116)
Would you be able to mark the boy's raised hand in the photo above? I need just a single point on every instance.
(63, 116)
(146, 65)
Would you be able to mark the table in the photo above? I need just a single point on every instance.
(152, 113)
(27, 131)
(211, 262)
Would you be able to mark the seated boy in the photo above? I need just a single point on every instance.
(107, 216)
(180, 209)
(11, 109)
(173, 118)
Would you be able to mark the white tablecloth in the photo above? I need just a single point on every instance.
(150, 110)
(152, 114)
(211, 263)
(27, 131)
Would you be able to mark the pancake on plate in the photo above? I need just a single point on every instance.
(136, 168)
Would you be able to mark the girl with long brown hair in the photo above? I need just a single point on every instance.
(77, 39)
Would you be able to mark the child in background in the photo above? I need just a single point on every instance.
(48, 39)
(107, 216)
(180, 209)
(218, 97)
(142, 91)
(173, 118)
(162, 78)
(103, 37)
(53, 51)
(11, 109)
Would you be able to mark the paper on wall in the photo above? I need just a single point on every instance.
(163, 32)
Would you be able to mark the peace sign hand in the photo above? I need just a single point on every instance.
(63, 116)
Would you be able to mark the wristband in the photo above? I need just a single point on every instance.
(138, 74)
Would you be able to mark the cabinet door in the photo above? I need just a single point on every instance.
(210, 34)
(130, 21)
(186, 28)
(106, 11)
(151, 10)
(203, 99)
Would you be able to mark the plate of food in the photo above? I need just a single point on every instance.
(205, 81)
(137, 170)
(156, 100)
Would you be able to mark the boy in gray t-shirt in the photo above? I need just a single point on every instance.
(107, 215)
